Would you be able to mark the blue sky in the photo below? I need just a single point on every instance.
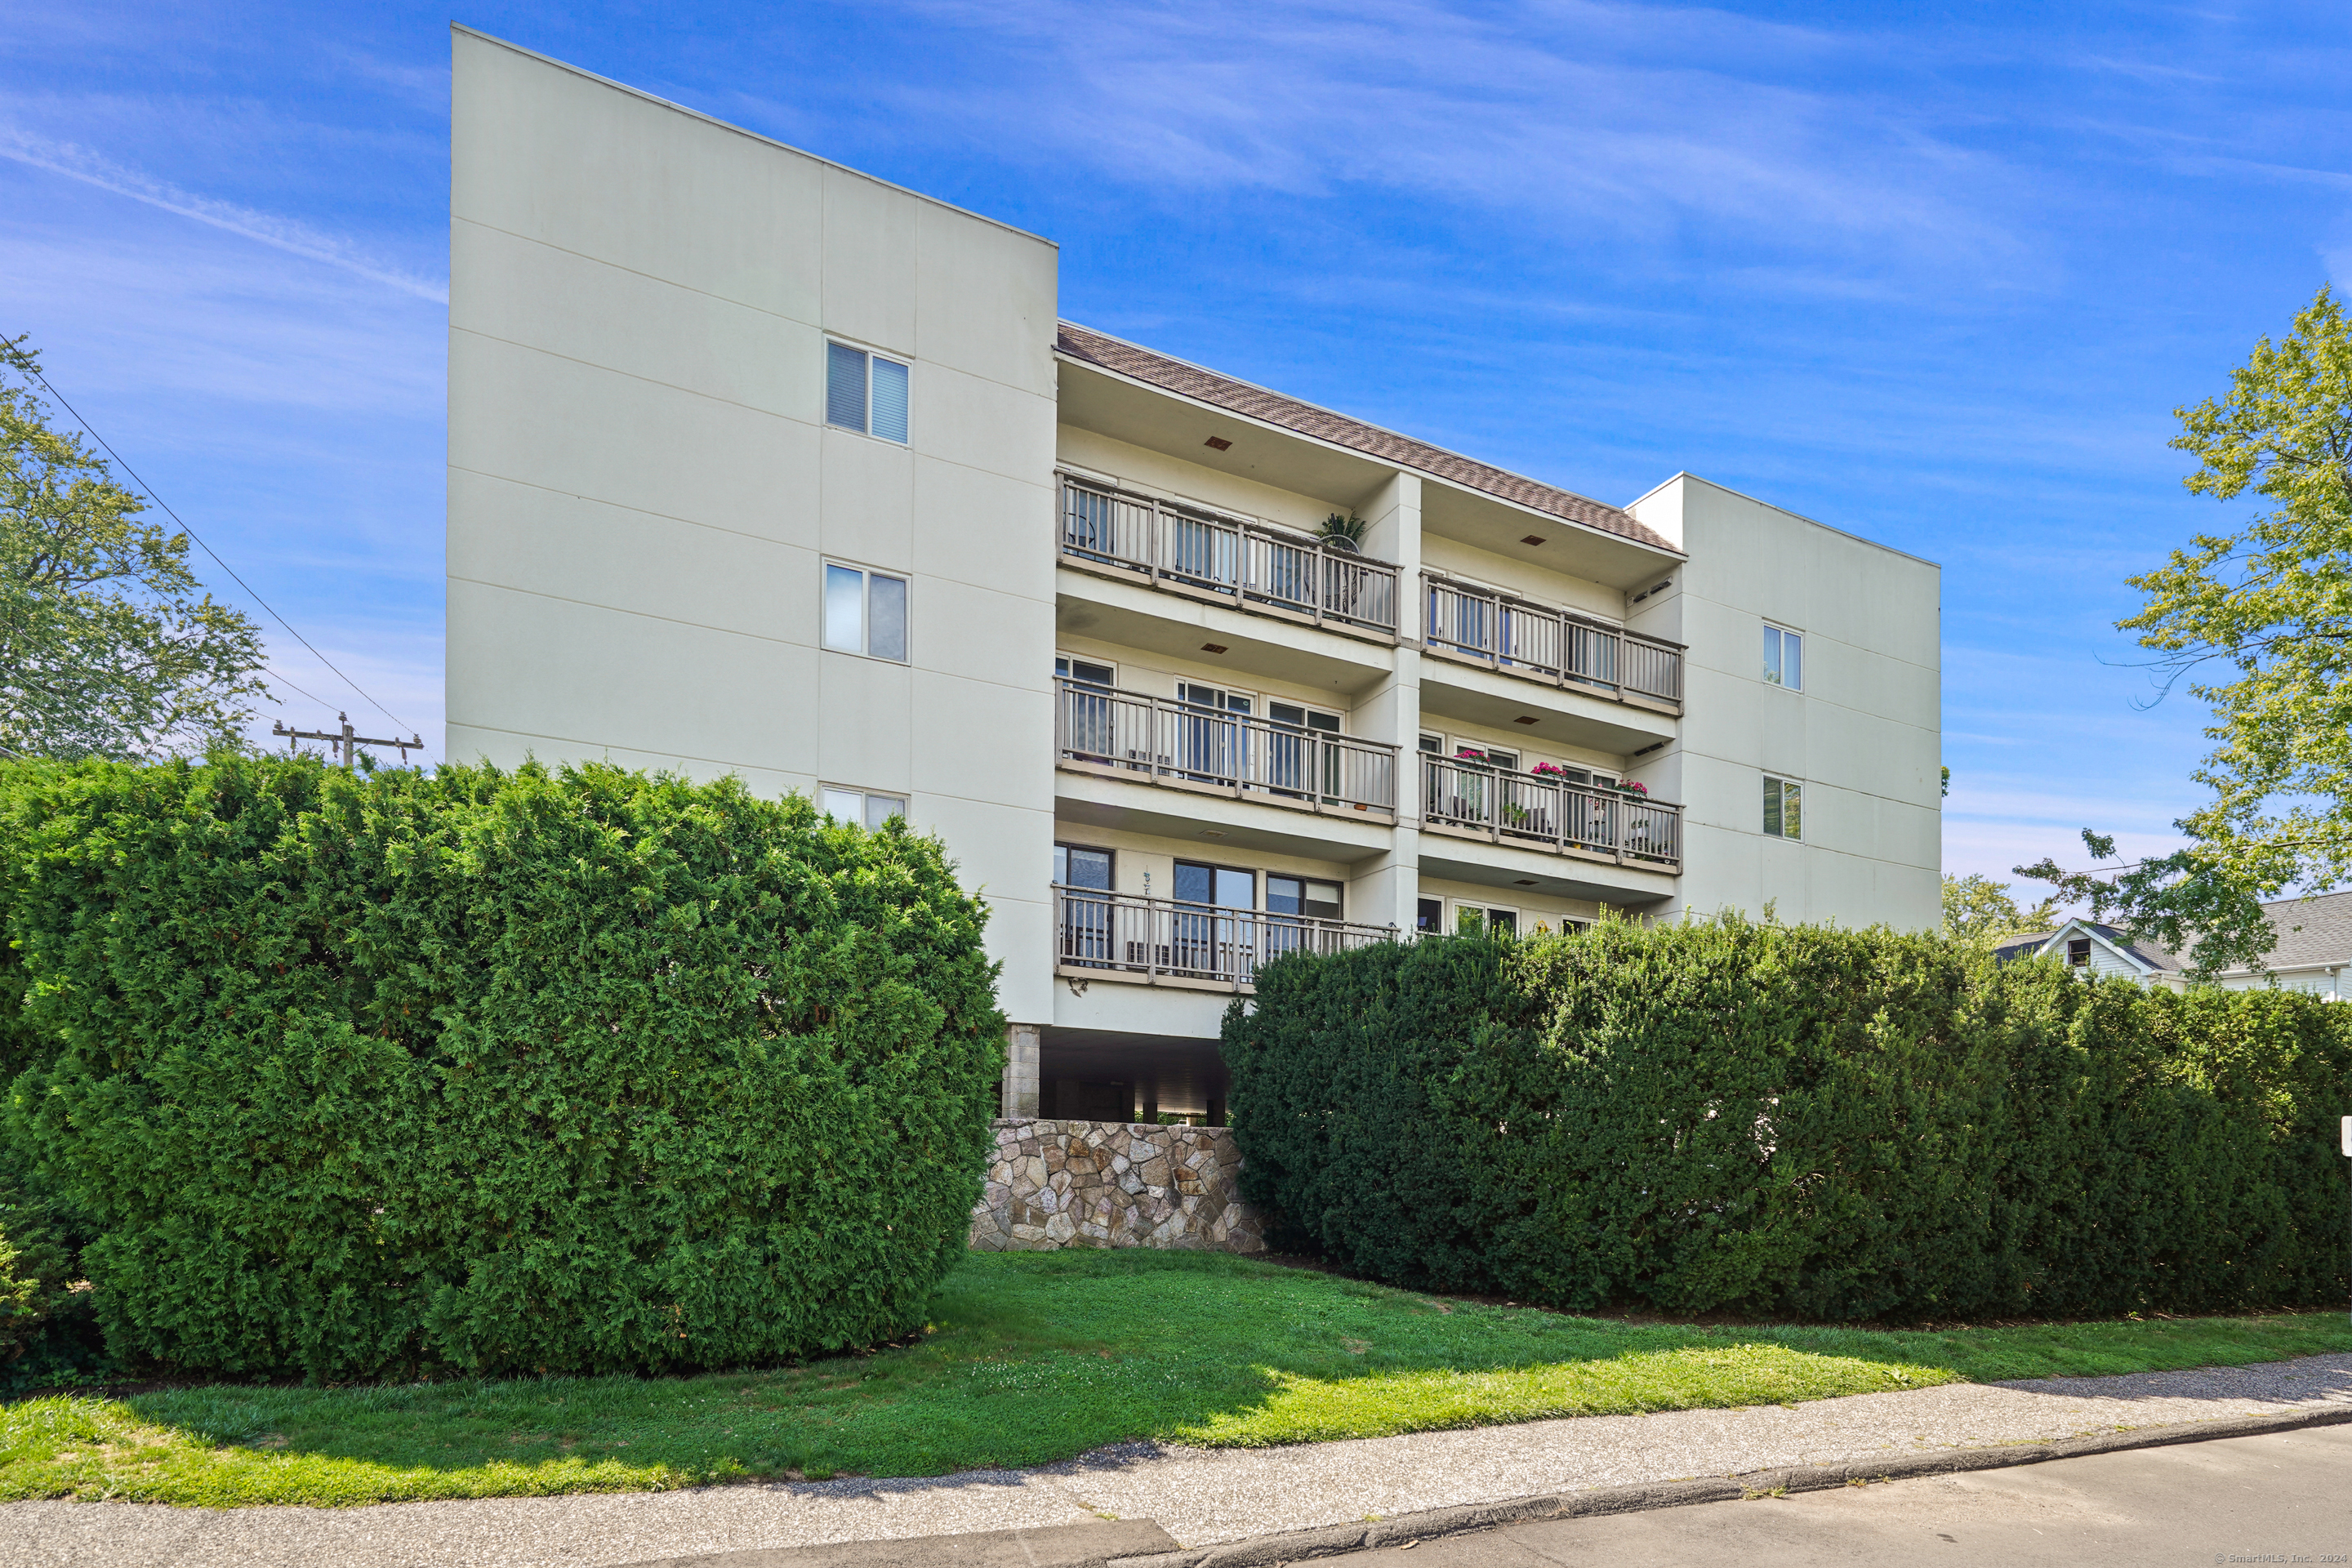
(1938, 275)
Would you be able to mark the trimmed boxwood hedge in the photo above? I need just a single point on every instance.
(572, 1070)
(1834, 1124)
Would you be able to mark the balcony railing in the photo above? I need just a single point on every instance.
(1097, 728)
(1123, 936)
(1546, 812)
(1520, 637)
(1247, 563)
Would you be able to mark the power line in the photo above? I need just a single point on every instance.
(298, 691)
(33, 369)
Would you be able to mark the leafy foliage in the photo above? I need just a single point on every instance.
(108, 646)
(583, 1070)
(1980, 910)
(1345, 528)
(2269, 608)
(46, 1328)
(1843, 1125)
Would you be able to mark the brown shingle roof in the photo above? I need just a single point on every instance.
(1191, 380)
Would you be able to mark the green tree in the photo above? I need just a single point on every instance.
(108, 646)
(2258, 623)
(1979, 909)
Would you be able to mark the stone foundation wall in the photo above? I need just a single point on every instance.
(1114, 1184)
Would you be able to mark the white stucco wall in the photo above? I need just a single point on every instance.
(1863, 737)
(642, 492)
(642, 488)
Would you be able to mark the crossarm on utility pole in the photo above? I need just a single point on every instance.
(345, 742)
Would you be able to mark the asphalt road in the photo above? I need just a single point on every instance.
(2282, 1498)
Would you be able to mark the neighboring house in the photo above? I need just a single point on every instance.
(759, 465)
(2312, 952)
(2092, 947)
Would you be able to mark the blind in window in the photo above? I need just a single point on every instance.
(889, 399)
(845, 389)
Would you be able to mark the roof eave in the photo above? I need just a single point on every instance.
(1657, 546)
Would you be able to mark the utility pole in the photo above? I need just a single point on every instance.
(346, 745)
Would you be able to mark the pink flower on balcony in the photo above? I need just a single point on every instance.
(1633, 787)
(1549, 770)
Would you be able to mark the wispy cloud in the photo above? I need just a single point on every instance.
(1558, 113)
(288, 234)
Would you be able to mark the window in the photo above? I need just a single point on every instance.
(1429, 915)
(867, 808)
(1084, 669)
(1223, 886)
(1293, 716)
(865, 392)
(1302, 896)
(1078, 867)
(1784, 813)
(1472, 919)
(1432, 744)
(1197, 695)
(865, 612)
(2078, 952)
(1784, 658)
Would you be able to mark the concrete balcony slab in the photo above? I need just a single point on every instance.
(1475, 693)
(1450, 856)
(1115, 608)
(1108, 796)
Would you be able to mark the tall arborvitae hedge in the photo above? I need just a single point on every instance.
(1829, 1123)
(579, 1070)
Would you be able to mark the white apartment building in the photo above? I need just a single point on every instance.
(758, 464)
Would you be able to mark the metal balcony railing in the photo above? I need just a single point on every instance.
(1542, 812)
(1120, 933)
(1520, 638)
(1171, 742)
(1254, 566)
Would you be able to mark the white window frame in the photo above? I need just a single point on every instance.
(870, 356)
(1266, 704)
(1256, 699)
(866, 798)
(826, 566)
(1062, 657)
(1486, 908)
(1775, 656)
(1785, 785)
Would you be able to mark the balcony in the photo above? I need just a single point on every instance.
(1538, 811)
(1119, 936)
(1518, 637)
(1158, 740)
(1229, 561)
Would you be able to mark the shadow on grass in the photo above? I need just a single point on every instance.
(1038, 1358)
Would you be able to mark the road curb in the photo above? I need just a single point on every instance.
(1299, 1545)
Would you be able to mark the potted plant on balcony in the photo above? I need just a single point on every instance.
(1633, 787)
(1345, 534)
(1550, 771)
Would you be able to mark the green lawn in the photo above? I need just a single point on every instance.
(1035, 1357)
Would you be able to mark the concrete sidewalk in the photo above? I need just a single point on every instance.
(1197, 1496)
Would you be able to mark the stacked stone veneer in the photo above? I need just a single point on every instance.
(1114, 1184)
